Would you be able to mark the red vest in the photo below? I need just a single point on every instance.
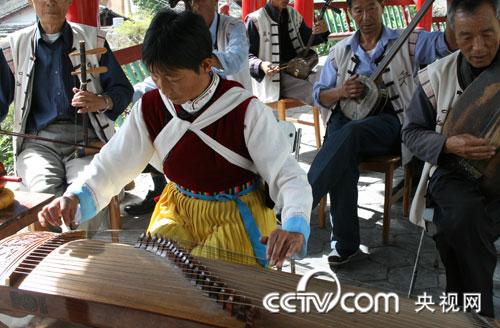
(191, 163)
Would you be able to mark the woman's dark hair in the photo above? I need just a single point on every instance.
(176, 41)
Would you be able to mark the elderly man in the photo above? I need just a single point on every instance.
(278, 34)
(36, 73)
(335, 168)
(464, 212)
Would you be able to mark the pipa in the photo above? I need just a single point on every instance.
(159, 284)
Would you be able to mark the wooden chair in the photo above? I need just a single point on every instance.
(115, 220)
(385, 164)
(130, 60)
(282, 106)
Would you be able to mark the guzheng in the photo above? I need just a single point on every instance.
(159, 284)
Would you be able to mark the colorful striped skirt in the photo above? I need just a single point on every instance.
(212, 229)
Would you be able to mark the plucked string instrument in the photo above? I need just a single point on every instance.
(477, 112)
(375, 97)
(302, 65)
(85, 149)
(158, 283)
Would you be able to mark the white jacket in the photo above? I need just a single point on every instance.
(133, 149)
(20, 48)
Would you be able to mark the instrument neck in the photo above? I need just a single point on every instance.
(320, 17)
(400, 41)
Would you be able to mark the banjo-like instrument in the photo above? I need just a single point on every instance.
(375, 98)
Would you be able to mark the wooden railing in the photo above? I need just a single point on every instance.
(397, 15)
(130, 60)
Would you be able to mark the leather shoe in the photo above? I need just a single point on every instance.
(146, 206)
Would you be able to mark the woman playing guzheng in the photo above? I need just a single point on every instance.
(216, 143)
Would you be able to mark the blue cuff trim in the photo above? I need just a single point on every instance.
(298, 224)
(87, 205)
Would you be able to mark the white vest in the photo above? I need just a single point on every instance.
(19, 51)
(226, 24)
(440, 83)
(398, 79)
(268, 90)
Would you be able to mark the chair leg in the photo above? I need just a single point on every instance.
(322, 212)
(389, 174)
(408, 185)
(317, 130)
(415, 266)
(114, 214)
(281, 110)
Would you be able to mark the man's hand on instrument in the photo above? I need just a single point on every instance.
(64, 206)
(352, 88)
(282, 245)
(268, 68)
(319, 27)
(469, 147)
(87, 101)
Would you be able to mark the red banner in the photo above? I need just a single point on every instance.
(84, 12)
(306, 9)
(249, 6)
(426, 22)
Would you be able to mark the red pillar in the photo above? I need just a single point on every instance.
(84, 12)
(249, 6)
(306, 9)
(426, 22)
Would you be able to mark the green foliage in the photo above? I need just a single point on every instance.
(131, 32)
(6, 150)
(324, 48)
(151, 6)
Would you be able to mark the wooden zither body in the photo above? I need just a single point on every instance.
(158, 284)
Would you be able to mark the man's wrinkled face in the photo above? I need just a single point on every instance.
(367, 14)
(51, 11)
(478, 35)
(204, 8)
(280, 4)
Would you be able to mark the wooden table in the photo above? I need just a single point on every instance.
(23, 212)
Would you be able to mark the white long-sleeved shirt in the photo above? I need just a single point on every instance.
(130, 150)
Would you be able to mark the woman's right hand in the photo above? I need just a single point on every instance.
(64, 206)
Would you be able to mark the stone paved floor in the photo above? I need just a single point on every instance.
(384, 267)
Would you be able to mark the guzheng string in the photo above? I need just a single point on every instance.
(59, 268)
(56, 271)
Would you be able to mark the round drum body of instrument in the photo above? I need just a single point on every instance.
(373, 101)
(301, 67)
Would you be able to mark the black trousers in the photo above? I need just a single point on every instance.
(466, 232)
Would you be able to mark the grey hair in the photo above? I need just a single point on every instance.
(349, 3)
(467, 6)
